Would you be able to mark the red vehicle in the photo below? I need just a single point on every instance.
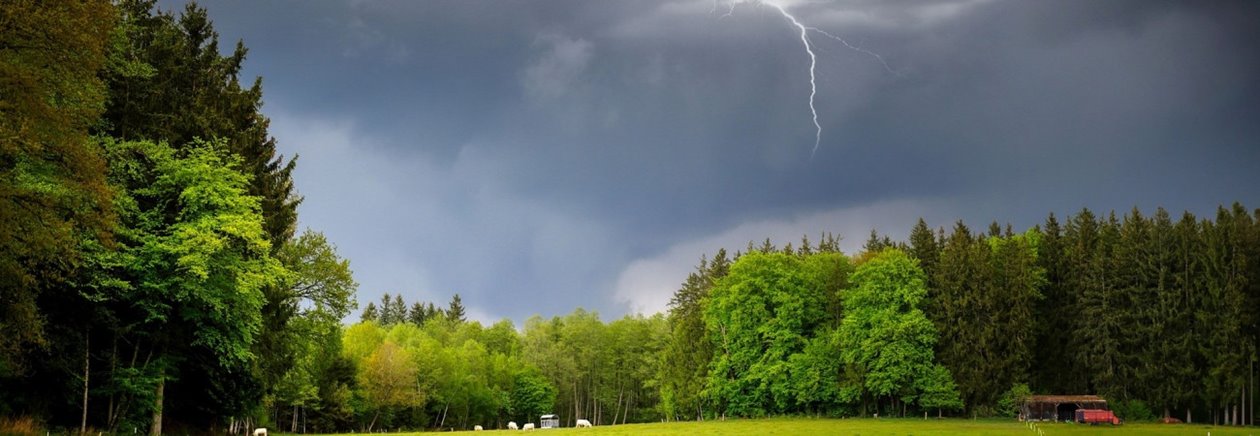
(1096, 416)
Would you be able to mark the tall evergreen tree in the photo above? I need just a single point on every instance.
(924, 248)
(1171, 315)
(953, 313)
(1013, 291)
(1100, 311)
(1056, 317)
(1223, 313)
(370, 313)
(455, 310)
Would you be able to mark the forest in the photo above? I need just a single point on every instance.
(153, 279)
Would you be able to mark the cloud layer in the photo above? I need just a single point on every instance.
(537, 156)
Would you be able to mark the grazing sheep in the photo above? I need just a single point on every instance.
(476, 428)
(260, 432)
(511, 425)
(528, 426)
(583, 423)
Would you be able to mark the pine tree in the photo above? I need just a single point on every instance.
(1137, 285)
(1056, 316)
(399, 309)
(389, 314)
(1013, 291)
(805, 249)
(455, 311)
(1223, 313)
(924, 248)
(417, 315)
(953, 313)
(369, 313)
(1171, 315)
(1099, 311)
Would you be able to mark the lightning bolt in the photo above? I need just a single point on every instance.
(813, 64)
(813, 59)
(857, 49)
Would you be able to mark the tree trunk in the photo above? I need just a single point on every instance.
(373, 423)
(113, 366)
(617, 410)
(87, 361)
(156, 428)
(625, 413)
(293, 425)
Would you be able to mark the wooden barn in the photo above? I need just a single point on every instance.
(1058, 407)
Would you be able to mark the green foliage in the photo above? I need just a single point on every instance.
(937, 390)
(986, 295)
(1010, 402)
(388, 379)
(1132, 411)
(687, 351)
(532, 395)
(53, 194)
(758, 316)
(318, 275)
(885, 334)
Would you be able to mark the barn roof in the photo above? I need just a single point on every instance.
(1065, 399)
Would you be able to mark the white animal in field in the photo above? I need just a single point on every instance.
(260, 432)
(511, 425)
(476, 428)
(528, 426)
(583, 423)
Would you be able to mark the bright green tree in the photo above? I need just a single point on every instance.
(388, 380)
(532, 395)
(885, 334)
(764, 311)
(197, 258)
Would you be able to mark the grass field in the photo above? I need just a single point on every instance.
(884, 427)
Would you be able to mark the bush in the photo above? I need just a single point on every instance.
(1133, 410)
(1009, 404)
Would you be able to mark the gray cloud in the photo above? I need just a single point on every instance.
(535, 156)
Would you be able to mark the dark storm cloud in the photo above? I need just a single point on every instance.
(535, 156)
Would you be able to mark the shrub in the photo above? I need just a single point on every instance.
(1008, 405)
(1133, 410)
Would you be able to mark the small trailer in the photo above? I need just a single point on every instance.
(549, 421)
(1096, 416)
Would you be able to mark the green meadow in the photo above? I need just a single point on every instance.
(885, 427)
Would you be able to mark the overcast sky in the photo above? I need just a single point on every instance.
(537, 156)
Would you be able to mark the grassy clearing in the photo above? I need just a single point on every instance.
(884, 427)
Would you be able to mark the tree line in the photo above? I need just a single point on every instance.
(430, 368)
(151, 276)
(1156, 314)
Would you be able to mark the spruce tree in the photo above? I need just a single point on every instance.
(455, 311)
(923, 247)
(417, 314)
(1171, 315)
(1056, 316)
(369, 313)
